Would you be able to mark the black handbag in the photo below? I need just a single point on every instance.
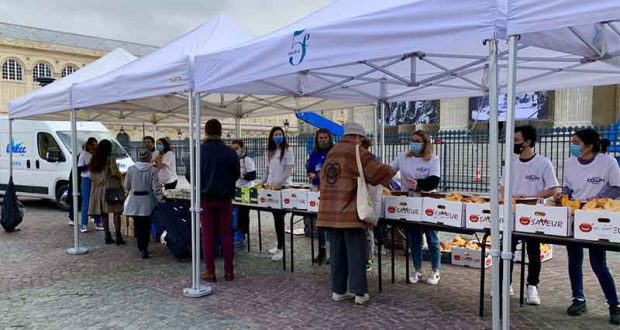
(114, 192)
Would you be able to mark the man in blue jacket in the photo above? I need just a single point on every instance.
(219, 170)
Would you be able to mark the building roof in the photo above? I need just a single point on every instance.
(20, 32)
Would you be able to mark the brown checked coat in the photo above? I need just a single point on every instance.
(338, 207)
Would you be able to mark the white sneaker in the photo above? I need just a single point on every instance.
(71, 223)
(278, 255)
(369, 264)
(433, 278)
(512, 292)
(84, 229)
(99, 227)
(417, 276)
(273, 250)
(532, 297)
(342, 297)
(362, 300)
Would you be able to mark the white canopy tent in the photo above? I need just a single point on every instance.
(579, 45)
(375, 51)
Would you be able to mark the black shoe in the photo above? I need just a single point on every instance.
(577, 307)
(108, 238)
(320, 259)
(144, 255)
(119, 239)
(614, 314)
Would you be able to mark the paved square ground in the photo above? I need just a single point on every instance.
(41, 287)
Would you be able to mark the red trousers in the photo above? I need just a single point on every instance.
(216, 216)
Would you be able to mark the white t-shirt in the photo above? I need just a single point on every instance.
(84, 160)
(589, 180)
(167, 173)
(247, 165)
(532, 177)
(277, 167)
(415, 168)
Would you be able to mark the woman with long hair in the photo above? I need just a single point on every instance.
(166, 164)
(419, 171)
(322, 145)
(248, 175)
(106, 180)
(83, 161)
(278, 170)
(590, 174)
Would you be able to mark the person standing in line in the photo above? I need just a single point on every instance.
(322, 145)
(532, 176)
(338, 212)
(278, 170)
(83, 162)
(590, 174)
(144, 193)
(246, 180)
(104, 176)
(219, 171)
(419, 170)
(166, 164)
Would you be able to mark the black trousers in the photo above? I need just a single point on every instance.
(348, 261)
(243, 219)
(534, 264)
(278, 222)
(142, 232)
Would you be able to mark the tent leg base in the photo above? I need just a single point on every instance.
(77, 251)
(202, 291)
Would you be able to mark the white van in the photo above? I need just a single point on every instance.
(42, 156)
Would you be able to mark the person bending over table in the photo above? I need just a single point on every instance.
(532, 176)
(278, 169)
(589, 174)
(248, 175)
(419, 170)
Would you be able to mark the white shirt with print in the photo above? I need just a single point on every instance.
(277, 167)
(246, 165)
(415, 168)
(530, 178)
(586, 181)
(84, 160)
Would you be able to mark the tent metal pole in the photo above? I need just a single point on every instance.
(375, 125)
(76, 249)
(10, 148)
(237, 127)
(383, 154)
(494, 182)
(508, 147)
(197, 290)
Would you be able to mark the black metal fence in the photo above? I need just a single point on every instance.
(464, 155)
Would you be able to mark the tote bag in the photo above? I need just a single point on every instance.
(365, 203)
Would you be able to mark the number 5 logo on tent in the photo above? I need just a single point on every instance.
(298, 47)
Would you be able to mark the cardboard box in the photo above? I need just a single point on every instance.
(314, 201)
(541, 219)
(443, 212)
(295, 199)
(403, 208)
(478, 216)
(469, 258)
(544, 256)
(601, 226)
(238, 194)
(245, 195)
(253, 195)
(270, 198)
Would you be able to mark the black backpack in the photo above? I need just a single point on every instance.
(12, 210)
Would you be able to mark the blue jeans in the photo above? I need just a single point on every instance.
(415, 245)
(322, 236)
(86, 202)
(598, 262)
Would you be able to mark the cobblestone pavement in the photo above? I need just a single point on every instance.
(41, 287)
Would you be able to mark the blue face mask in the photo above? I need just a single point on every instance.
(159, 148)
(417, 147)
(576, 150)
(278, 140)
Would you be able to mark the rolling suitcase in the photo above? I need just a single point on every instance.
(174, 217)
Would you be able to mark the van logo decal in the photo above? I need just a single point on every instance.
(18, 147)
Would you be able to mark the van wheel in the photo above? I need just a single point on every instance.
(62, 196)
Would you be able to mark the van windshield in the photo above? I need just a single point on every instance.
(117, 150)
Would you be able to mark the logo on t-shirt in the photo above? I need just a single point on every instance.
(532, 177)
(422, 169)
(595, 180)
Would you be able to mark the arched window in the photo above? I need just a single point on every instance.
(11, 70)
(68, 69)
(41, 70)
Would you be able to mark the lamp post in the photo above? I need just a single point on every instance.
(286, 125)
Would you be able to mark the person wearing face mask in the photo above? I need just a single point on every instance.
(278, 170)
(532, 176)
(322, 145)
(166, 164)
(246, 180)
(590, 174)
(419, 170)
